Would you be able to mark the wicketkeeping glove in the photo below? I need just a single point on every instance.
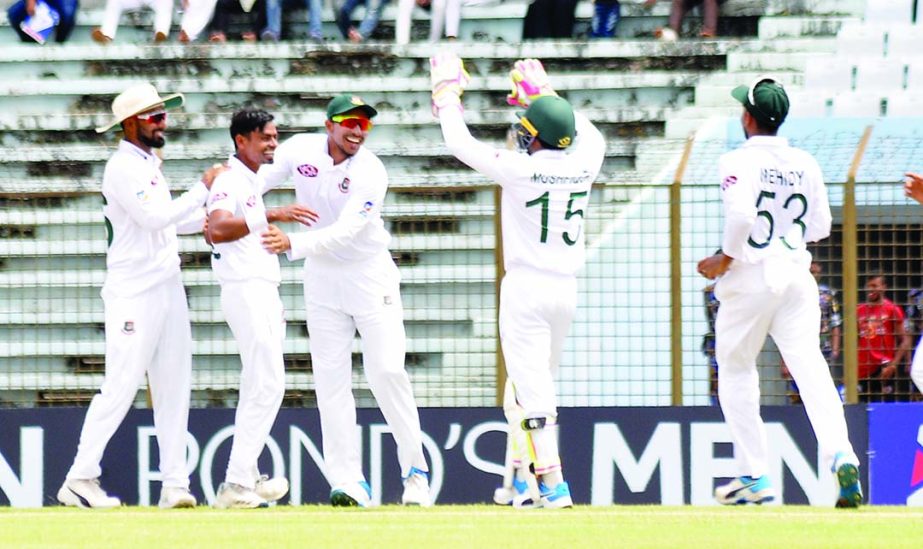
(530, 81)
(448, 78)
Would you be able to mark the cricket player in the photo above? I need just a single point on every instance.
(913, 188)
(546, 190)
(249, 278)
(146, 316)
(774, 202)
(350, 283)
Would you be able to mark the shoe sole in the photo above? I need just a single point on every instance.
(178, 505)
(850, 493)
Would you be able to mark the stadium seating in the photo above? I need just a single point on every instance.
(646, 96)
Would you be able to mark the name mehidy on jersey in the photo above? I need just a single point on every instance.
(774, 176)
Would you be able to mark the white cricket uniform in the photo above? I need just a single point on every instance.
(774, 202)
(543, 208)
(147, 319)
(249, 278)
(163, 14)
(350, 283)
(916, 367)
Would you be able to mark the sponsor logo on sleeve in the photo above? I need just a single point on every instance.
(728, 182)
(344, 185)
(142, 196)
(251, 201)
(307, 170)
(218, 196)
(366, 209)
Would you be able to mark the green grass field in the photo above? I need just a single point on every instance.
(479, 526)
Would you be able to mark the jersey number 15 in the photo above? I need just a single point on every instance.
(544, 201)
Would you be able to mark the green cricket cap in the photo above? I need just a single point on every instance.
(765, 99)
(551, 119)
(342, 104)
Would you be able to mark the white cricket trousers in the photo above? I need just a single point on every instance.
(748, 312)
(147, 333)
(442, 11)
(536, 311)
(196, 16)
(255, 315)
(916, 368)
(163, 14)
(341, 298)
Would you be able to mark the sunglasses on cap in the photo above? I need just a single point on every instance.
(352, 122)
(155, 117)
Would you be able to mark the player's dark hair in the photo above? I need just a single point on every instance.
(247, 120)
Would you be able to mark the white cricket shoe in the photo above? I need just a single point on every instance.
(351, 494)
(271, 489)
(743, 490)
(173, 497)
(86, 493)
(235, 496)
(416, 489)
(519, 495)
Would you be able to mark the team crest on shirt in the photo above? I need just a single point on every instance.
(129, 327)
(218, 196)
(142, 196)
(251, 201)
(307, 170)
(388, 300)
(344, 185)
(366, 209)
(729, 181)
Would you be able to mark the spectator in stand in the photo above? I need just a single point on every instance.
(368, 24)
(67, 11)
(678, 11)
(254, 13)
(274, 9)
(830, 332)
(163, 17)
(883, 343)
(447, 12)
(197, 14)
(549, 19)
(606, 16)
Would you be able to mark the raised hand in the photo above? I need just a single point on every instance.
(210, 174)
(448, 78)
(529, 82)
(913, 186)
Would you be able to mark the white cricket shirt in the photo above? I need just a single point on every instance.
(347, 197)
(141, 219)
(240, 191)
(774, 201)
(545, 194)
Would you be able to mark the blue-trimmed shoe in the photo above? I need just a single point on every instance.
(557, 498)
(518, 495)
(743, 490)
(847, 476)
(353, 494)
(416, 488)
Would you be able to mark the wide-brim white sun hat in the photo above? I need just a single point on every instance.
(136, 100)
